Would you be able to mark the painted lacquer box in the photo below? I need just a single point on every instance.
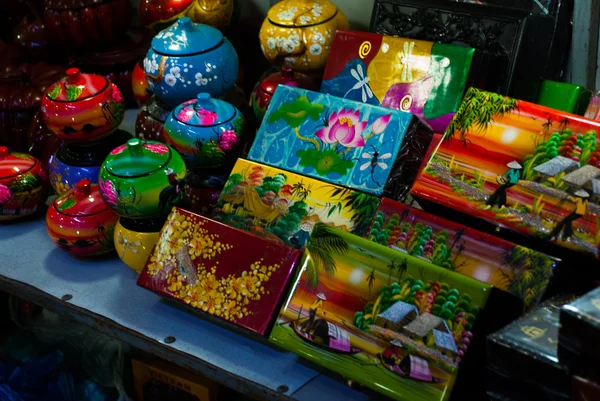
(343, 142)
(392, 322)
(227, 273)
(424, 78)
(285, 207)
(513, 268)
(515, 164)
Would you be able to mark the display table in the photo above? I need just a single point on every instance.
(103, 294)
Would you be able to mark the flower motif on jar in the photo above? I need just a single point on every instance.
(109, 192)
(5, 194)
(288, 14)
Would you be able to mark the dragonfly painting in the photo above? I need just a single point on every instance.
(405, 61)
(363, 83)
(374, 161)
(131, 245)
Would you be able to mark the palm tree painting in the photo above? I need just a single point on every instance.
(322, 247)
(478, 110)
(392, 266)
(371, 280)
(528, 274)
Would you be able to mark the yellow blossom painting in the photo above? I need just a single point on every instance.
(219, 270)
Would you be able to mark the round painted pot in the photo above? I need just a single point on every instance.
(208, 133)
(142, 179)
(264, 90)
(80, 223)
(23, 185)
(188, 58)
(159, 14)
(75, 162)
(300, 33)
(135, 239)
(139, 84)
(82, 107)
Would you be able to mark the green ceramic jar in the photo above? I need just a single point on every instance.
(142, 179)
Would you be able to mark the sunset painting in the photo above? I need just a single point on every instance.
(389, 321)
(522, 166)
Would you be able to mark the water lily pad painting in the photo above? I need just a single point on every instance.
(343, 142)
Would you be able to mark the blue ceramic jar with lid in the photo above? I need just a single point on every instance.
(189, 58)
(207, 132)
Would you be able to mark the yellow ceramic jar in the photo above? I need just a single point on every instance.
(134, 246)
(300, 33)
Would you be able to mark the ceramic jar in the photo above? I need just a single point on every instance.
(74, 162)
(82, 107)
(159, 14)
(263, 92)
(139, 84)
(86, 23)
(80, 223)
(142, 179)
(300, 33)
(189, 58)
(23, 185)
(135, 238)
(208, 133)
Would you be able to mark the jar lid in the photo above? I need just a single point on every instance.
(76, 86)
(204, 111)
(14, 164)
(82, 200)
(186, 38)
(287, 77)
(301, 13)
(137, 158)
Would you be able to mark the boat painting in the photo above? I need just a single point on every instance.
(411, 367)
(355, 294)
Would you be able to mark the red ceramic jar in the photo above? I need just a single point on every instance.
(82, 107)
(89, 23)
(264, 90)
(23, 185)
(81, 223)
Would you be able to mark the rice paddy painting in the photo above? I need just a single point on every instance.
(513, 268)
(515, 164)
(390, 321)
